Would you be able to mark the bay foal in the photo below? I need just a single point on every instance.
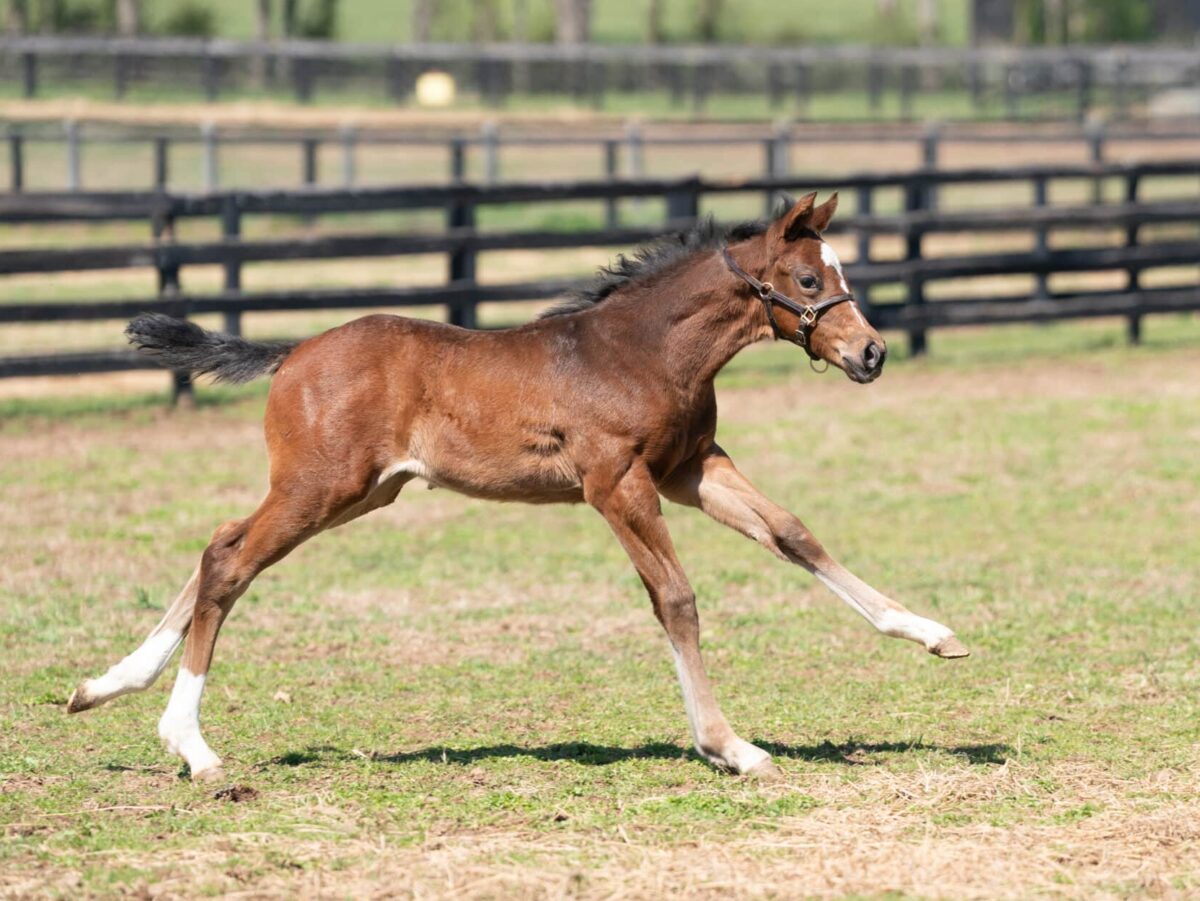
(607, 400)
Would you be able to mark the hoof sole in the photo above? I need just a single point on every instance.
(766, 771)
(950, 648)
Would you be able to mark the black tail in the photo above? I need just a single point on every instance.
(179, 344)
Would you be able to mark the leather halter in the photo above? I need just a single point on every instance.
(808, 313)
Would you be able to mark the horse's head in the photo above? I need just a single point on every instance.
(823, 316)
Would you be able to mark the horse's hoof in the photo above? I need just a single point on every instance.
(765, 771)
(210, 775)
(80, 700)
(950, 648)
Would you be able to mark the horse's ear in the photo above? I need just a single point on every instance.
(795, 221)
(822, 215)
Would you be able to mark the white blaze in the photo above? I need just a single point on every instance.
(830, 258)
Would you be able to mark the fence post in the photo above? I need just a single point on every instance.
(1009, 73)
(182, 390)
(212, 76)
(866, 197)
(460, 214)
(635, 145)
(16, 156)
(458, 159)
(612, 214)
(349, 137)
(874, 86)
(161, 162)
(489, 137)
(304, 77)
(774, 86)
(120, 75)
(914, 198)
(1083, 90)
(908, 87)
(1041, 238)
(308, 151)
(231, 230)
(71, 127)
(930, 147)
(683, 204)
(208, 138)
(29, 75)
(1121, 88)
(1134, 272)
(699, 87)
(1095, 139)
(775, 162)
(803, 80)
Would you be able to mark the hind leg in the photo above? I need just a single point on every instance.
(139, 670)
(239, 551)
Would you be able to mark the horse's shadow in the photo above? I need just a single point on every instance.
(845, 753)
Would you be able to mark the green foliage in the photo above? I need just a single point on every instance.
(192, 18)
(318, 20)
(70, 16)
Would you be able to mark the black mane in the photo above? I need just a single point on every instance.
(654, 256)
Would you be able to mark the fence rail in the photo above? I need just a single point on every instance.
(620, 149)
(999, 81)
(921, 283)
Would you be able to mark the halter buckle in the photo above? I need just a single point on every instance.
(765, 290)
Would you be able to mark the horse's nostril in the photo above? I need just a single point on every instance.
(873, 356)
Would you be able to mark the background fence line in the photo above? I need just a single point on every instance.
(621, 149)
(914, 269)
(996, 81)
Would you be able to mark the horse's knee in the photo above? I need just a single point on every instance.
(221, 564)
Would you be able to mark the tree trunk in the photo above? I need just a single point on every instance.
(708, 21)
(422, 21)
(927, 22)
(16, 17)
(485, 27)
(572, 21)
(263, 35)
(289, 18)
(129, 17)
(654, 23)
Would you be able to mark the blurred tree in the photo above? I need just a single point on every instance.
(422, 21)
(16, 17)
(485, 23)
(129, 17)
(192, 19)
(655, 33)
(572, 21)
(708, 21)
(928, 24)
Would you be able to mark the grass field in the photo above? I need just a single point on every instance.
(449, 698)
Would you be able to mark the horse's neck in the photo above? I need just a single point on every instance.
(687, 323)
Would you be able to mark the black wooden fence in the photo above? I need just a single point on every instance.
(1005, 82)
(620, 149)
(923, 303)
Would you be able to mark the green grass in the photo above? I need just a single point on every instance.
(480, 703)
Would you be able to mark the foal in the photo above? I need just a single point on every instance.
(607, 399)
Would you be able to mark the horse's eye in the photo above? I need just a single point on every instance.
(807, 282)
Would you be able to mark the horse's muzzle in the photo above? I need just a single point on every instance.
(867, 364)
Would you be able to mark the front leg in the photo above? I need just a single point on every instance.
(628, 501)
(711, 482)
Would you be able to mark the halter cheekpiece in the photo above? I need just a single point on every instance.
(808, 313)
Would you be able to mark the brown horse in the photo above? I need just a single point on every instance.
(608, 399)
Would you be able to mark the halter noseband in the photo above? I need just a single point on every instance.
(808, 313)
